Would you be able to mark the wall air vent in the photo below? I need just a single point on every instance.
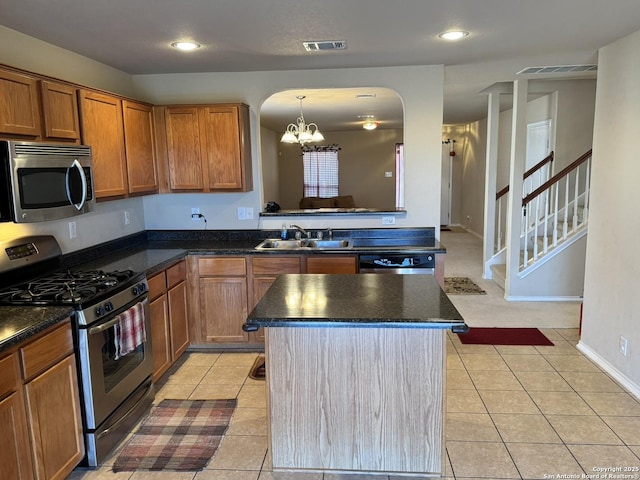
(325, 45)
(558, 69)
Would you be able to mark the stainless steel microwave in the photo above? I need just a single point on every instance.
(44, 181)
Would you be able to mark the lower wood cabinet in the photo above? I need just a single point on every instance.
(227, 288)
(15, 454)
(332, 264)
(41, 435)
(222, 296)
(169, 324)
(264, 271)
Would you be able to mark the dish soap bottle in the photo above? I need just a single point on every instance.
(283, 233)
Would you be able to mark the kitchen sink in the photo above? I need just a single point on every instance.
(304, 244)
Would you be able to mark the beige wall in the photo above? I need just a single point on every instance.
(364, 158)
(612, 278)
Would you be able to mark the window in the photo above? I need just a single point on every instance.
(320, 171)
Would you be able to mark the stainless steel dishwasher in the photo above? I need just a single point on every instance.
(407, 264)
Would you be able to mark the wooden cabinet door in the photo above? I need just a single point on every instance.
(223, 309)
(19, 108)
(15, 456)
(160, 336)
(102, 129)
(222, 153)
(60, 111)
(332, 264)
(140, 148)
(178, 316)
(53, 411)
(183, 148)
(15, 459)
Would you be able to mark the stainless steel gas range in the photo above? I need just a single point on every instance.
(112, 333)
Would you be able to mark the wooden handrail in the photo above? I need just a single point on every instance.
(583, 158)
(528, 173)
(538, 166)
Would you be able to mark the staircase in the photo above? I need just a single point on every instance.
(555, 215)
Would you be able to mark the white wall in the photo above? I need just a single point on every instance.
(421, 90)
(612, 277)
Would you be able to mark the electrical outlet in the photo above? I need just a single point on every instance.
(242, 213)
(388, 174)
(195, 211)
(388, 220)
(623, 346)
(249, 213)
(73, 232)
(127, 217)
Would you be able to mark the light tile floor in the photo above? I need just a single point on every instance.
(511, 412)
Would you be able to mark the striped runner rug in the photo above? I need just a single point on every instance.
(181, 435)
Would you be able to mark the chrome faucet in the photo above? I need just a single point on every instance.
(300, 230)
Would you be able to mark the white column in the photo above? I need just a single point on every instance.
(491, 169)
(514, 209)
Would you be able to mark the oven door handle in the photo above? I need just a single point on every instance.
(104, 326)
(76, 165)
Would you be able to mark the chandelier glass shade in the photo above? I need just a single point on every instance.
(301, 132)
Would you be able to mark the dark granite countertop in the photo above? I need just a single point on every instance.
(19, 323)
(389, 301)
(154, 251)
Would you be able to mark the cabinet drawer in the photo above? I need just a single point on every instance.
(176, 274)
(222, 266)
(8, 376)
(46, 351)
(157, 285)
(275, 266)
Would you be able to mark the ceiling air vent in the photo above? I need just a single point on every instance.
(325, 45)
(557, 69)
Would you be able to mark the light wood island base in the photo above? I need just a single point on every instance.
(356, 400)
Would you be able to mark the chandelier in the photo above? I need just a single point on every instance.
(301, 132)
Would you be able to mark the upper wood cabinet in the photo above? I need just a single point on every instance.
(59, 111)
(19, 108)
(208, 148)
(102, 129)
(183, 149)
(139, 146)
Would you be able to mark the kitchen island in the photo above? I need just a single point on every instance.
(355, 372)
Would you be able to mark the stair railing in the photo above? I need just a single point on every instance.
(528, 186)
(556, 209)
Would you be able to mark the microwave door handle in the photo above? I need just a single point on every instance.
(76, 164)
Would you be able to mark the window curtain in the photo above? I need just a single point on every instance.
(320, 170)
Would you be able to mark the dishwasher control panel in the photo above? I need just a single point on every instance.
(397, 262)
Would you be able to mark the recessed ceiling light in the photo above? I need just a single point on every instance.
(186, 46)
(453, 35)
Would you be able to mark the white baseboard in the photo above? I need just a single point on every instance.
(517, 298)
(619, 377)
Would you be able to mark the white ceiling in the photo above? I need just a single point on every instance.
(254, 35)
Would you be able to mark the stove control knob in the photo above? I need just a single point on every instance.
(100, 311)
(138, 289)
(108, 307)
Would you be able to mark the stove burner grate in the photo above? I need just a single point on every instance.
(67, 287)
